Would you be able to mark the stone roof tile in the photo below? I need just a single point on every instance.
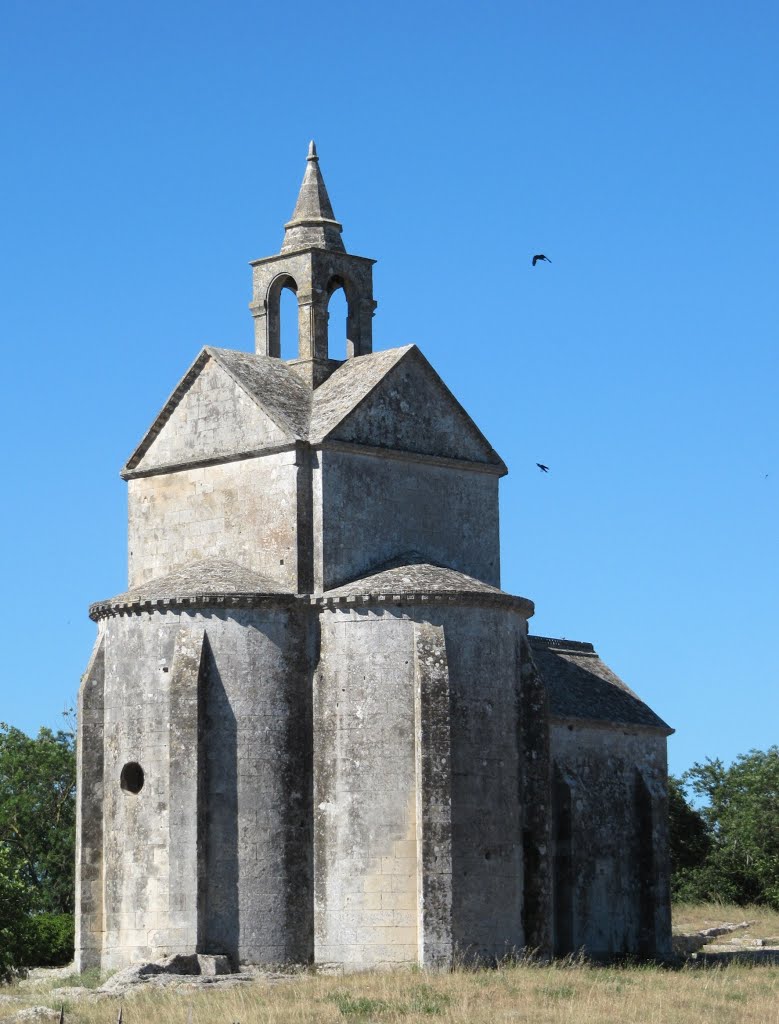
(581, 686)
(417, 578)
(273, 385)
(286, 398)
(211, 576)
(349, 385)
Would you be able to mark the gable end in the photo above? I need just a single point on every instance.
(210, 415)
(411, 409)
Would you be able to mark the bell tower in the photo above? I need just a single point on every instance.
(313, 264)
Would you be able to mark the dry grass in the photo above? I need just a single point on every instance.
(558, 994)
(562, 993)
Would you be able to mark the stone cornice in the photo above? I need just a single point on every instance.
(403, 598)
(348, 447)
(307, 249)
(215, 460)
(223, 602)
(353, 448)
(610, 725)
(188, 602)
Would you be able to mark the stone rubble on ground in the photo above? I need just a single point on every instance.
(684, 945)
(189, 969)
(47, 974)
(33, 1013)
(180, 971)
(724, 929)
(71, 994)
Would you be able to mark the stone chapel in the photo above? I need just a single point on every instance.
(314, 729)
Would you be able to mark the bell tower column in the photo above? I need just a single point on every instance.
(312, 326)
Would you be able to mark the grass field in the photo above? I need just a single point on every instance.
(575, 992)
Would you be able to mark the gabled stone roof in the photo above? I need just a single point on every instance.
(273, 385)
(303, 415)
(581, 686)
(276, 389)
(195, 583)
(347, 387)
(343, 394)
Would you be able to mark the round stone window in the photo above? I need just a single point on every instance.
(131, 779)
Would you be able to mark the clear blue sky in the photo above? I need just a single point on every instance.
(149, 150)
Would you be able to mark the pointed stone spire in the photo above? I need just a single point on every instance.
(313, 221)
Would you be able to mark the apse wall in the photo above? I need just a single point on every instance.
(206, 785)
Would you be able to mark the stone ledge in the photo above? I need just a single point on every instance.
(185, 602)
(550, 643)
(411, 597)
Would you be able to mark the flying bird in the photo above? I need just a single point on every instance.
(540, 256)
(542, 467)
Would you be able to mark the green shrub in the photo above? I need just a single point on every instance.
(15, 905)
(49, 940)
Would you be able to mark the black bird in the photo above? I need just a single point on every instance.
(540, 256)
(542, 467)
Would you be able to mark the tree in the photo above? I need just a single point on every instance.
(742, 814)
(38, 813)
(15, 907)
(690, 841)
(37, 848)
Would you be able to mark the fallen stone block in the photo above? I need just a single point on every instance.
(171, 970)
(213, 965)
(724, 929)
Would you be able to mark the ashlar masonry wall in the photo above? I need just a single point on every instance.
(487, 810)
(245, 511)
(418, 815)
(365, 793)
(362, 516)
(138, 917)
(258, 862)
(213, 850)
(609, 839)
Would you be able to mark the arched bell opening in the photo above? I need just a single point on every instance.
(282, 313)
(337, 319)
(289, 327)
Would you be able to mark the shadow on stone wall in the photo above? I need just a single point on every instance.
(220, 928)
